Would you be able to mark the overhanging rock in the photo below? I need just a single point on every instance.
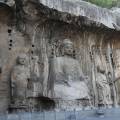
(93, 13)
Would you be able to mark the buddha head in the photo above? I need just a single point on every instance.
(68, 47)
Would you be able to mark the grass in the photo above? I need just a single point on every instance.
(105, 3)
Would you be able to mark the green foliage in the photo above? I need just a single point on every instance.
(105, 3)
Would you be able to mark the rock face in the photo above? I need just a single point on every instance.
(60, 44)
(81, 8)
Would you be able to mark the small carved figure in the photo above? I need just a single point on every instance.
(117, 85)
(111, 84)
(19, 80)
(113, 88)
(103, 88)
(35, 85)
(66, 77)
(116, 68)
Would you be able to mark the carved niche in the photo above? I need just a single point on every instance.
(66, 79)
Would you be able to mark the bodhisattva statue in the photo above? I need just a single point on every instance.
(35, 84)
(117, 84)
(103, 88)
(67, 82)
(19, 80)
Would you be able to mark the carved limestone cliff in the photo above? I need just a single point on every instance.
(64, 41)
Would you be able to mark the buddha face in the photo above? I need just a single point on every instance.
(22, 59)
(68, 47)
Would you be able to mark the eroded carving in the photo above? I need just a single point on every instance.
(103, 88)
(35, 83)
(67, 81)
(19, 80)
(117, 73)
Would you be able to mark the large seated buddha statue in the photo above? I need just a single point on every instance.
(67, 81)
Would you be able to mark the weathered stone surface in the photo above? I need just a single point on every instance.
(19, 81)
(53, 77)
(67, 74)
(67, 77)
(87, 10)
(103, 87)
